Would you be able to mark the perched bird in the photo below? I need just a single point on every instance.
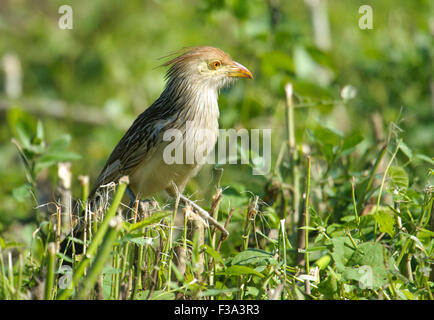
(189, 101)
(190, 97)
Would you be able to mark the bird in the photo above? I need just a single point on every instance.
(188, 101)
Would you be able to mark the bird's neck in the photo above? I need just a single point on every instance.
(193, 101)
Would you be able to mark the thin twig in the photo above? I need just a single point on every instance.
(290, 124)
(204, 214)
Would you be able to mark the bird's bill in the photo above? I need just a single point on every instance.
(238, 70)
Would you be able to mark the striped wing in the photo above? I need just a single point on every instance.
(135, 146)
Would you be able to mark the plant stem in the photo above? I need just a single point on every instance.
(97, 238)
(169, 247)
(353, 194)
(101, 258)
(251, 215)
(20, 277)
(50, 271)
(283, 233)
(292, 156)
(385, 174)
(371, 177)
(306, 215)
(59, 226)
(3, 277)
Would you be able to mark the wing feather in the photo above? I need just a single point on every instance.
(135, 146)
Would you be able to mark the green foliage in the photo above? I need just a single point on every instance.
(386, 221)
(364, 264)
(368, 237)
(253, 257)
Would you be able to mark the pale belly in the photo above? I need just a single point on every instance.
(154, 174)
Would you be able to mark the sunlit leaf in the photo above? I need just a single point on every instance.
(399, 178)
(386, 221)
(153, 219)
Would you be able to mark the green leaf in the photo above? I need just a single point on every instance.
(213, 253)
(23, 134)
(276, 61)
(343, 249)
(367, 266)
(240, 271)
(329, 136)
(253, 257)
(22, 192)
(10, 244)
(25, 137)
(57, 152)
(406, 150)
(327, 151)
(111, 270)
(323, 262)
(232, 198)
(61, 143)
(368, 253)
(50, 158)
(425, 234)
(252, 291)
(63, 257)
(386, 221)
(398, 176)
(137, 240)
(56, 156)
(351, 141)
(216, 292)
(272, 219)
(39, 131)
(329, 286)
(425, 158)
(153, 219)
(156, 295)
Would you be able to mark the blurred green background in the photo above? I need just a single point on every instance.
(92, 81)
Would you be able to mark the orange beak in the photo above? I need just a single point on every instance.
(238, 70)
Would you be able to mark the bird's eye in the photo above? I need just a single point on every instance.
(216, 64)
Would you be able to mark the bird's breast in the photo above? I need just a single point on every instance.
(195, 132)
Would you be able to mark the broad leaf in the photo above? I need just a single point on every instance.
(253, 257)
(367, 266)
(398, 176)
(386, 221)
(240, 271)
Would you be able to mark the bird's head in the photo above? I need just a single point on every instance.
(205, 66)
